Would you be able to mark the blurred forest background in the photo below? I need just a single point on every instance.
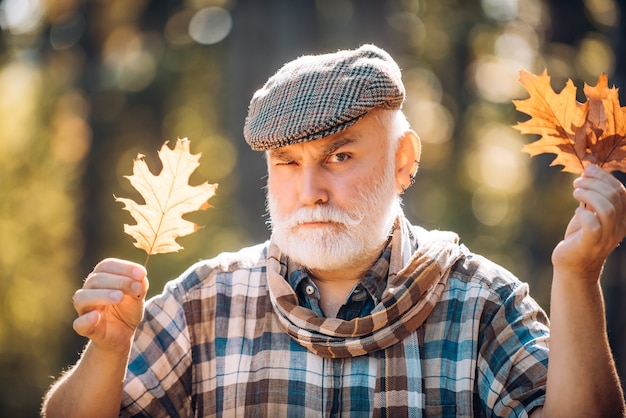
(85, 85)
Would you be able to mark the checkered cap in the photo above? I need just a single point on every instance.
(318, 95)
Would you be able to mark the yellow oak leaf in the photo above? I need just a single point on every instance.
(168, 196)
(593, 132)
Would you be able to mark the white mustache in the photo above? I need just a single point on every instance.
(319, 214)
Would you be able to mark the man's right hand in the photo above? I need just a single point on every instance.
(110, 304)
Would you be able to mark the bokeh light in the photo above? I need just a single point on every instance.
(497, 161)
(595, 56)
(128, 62)
(209, 26)
(501, 10)
(21, 16)
(605, 12)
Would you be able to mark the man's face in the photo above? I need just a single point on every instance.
(332, 201)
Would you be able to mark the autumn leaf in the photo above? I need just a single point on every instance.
(593, 132)
(168, 196)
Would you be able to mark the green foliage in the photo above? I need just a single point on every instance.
(40, 243)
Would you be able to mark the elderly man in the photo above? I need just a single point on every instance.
(349, 310)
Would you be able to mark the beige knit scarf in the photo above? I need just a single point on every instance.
(417, 278)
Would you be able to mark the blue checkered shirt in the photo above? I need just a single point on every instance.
(211, 345)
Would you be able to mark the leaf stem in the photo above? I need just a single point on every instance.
(145, 263)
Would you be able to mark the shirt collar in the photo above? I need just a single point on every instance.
(374, 280)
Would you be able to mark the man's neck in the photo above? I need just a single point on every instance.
(334, 290)
(335, 285)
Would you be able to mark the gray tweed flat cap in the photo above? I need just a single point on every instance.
(318, 95)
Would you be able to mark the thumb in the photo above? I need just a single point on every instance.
(85, 324)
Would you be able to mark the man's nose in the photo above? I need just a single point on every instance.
(313, 186)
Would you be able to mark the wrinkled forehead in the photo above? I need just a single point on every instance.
(372, 132)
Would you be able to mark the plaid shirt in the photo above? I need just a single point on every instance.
(211, 345)
(365, 295)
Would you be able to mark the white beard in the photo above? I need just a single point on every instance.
(355, 236)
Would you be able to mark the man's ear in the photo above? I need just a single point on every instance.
(407, 160)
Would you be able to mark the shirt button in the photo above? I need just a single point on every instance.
(309, 290)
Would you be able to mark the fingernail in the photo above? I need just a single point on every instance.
(136, 287)
(116, 295)
(92, 317)
(138, 274)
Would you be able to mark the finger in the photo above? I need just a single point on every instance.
(597, 219)
(85, 324)
(595, 171)
(603, 182)
(590, 226)
(599, 199)
(120, 267)
(609, 205)
(587, 185)
(116, 282)
(600, 195)
(88, 300)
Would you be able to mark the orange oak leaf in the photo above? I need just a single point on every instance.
(168, 196)
(593, 132)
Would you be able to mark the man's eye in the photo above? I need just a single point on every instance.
(339, 157)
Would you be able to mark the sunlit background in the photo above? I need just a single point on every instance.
(86, 85)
